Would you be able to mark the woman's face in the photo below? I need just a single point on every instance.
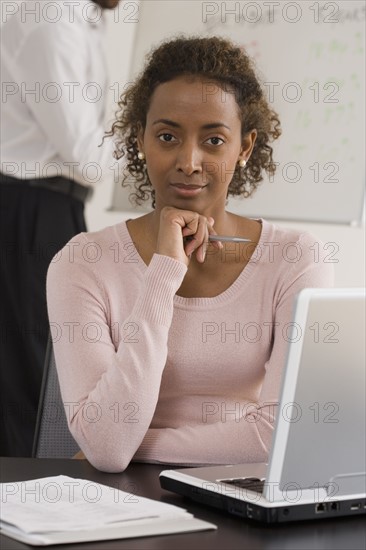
(107, 4)
(192, 143)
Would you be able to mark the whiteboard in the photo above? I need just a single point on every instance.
(310, 58)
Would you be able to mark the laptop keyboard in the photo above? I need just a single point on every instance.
(251, 483)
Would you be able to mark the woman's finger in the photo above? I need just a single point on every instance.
(202, 239)
(211, 231)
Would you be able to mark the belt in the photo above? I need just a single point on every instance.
(59, 184)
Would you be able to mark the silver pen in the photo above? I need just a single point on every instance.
(228, 239)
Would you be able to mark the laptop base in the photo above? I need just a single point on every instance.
(251, 511)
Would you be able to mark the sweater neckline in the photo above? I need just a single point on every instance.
(225, 296)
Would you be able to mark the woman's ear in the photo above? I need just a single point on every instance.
(248, 144)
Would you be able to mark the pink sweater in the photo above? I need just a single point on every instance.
(150, 376)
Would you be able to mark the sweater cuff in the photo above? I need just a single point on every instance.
(146, 450)
(163, 277)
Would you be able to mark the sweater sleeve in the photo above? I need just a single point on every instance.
(109, 394)
(246, 437)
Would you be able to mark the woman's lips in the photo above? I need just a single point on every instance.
(187, 190)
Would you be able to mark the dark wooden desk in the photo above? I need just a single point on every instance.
(233, 533)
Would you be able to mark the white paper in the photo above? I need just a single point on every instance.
(62, 503)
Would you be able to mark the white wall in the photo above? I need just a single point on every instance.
(349, 248)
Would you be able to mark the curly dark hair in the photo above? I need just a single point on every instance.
(214, 58)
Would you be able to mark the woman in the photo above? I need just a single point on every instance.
(170, 346)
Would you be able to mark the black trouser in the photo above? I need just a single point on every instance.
(35, 223)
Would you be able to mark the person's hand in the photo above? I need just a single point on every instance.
(182, 233)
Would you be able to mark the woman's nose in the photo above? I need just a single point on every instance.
(189, 159)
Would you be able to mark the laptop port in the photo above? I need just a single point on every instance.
(320, 508)
(355, 506)
(236, 511)
(334, 506)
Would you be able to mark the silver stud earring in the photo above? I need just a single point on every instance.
(242, 163)
(141, 156)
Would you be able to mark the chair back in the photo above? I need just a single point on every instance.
(52, 437)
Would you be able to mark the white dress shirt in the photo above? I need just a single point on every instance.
(54, 84)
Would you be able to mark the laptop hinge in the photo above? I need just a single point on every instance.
(348, 484)
(293, 494)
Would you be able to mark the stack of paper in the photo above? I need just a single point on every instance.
(61, 509)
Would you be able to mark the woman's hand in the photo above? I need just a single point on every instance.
(182, 232)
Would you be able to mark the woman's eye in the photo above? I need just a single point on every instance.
(215, 141)
(167, 138)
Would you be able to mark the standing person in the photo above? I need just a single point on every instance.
(54, 80)
(179, 343)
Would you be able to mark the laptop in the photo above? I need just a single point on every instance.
(317, 463)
